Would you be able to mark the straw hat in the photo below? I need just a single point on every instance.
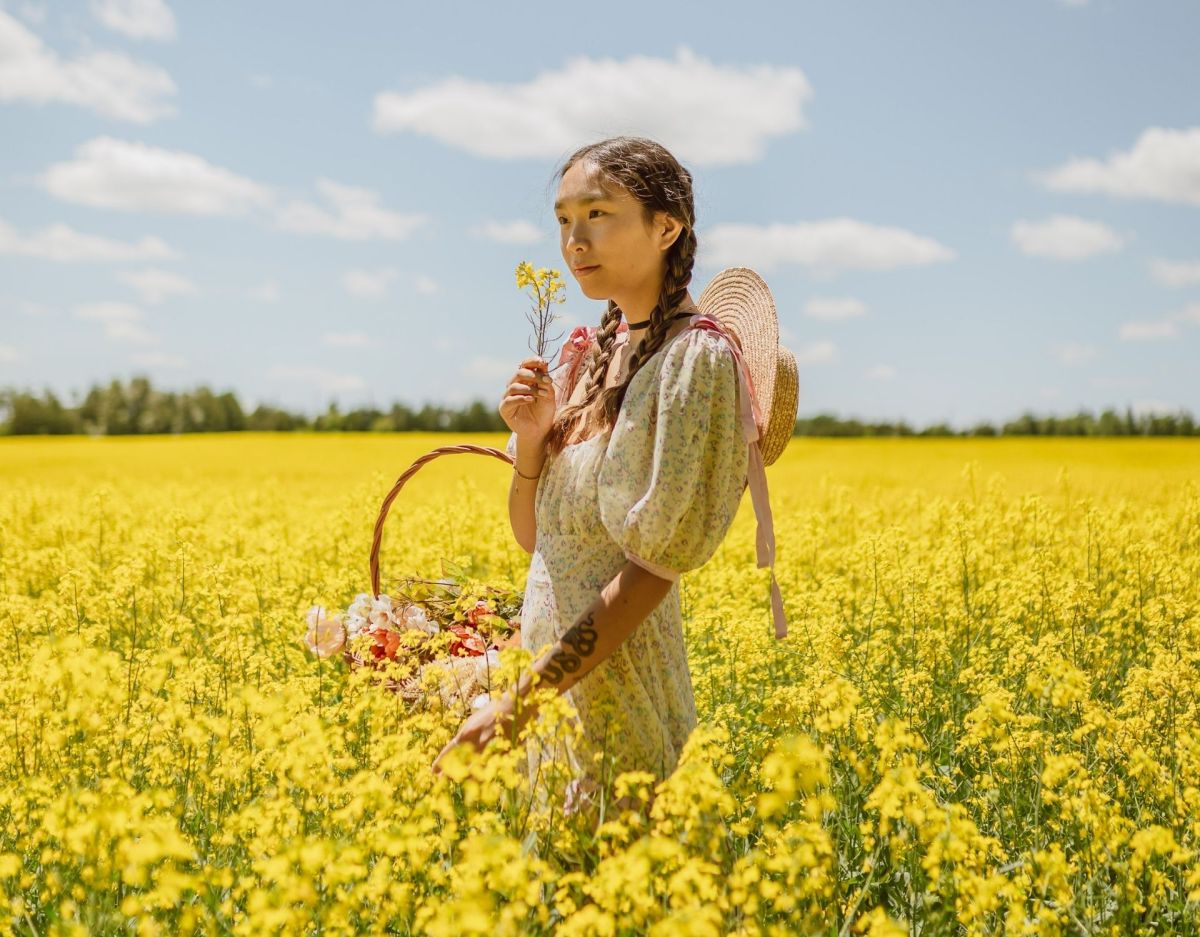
(738, 298)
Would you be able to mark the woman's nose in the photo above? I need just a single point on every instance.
(574, 238)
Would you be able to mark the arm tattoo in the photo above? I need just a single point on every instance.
(578, 642)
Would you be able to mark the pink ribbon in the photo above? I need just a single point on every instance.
(750, 419)
(575, 347)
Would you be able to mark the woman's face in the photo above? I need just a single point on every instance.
(611, 250)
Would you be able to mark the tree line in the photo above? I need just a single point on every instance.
(121, 409)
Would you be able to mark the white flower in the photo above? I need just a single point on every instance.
(360, 607)
(381, 612)
(486, 664)
(355, 625)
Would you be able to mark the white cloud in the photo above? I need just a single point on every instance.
(1189, 314)
(487, 368)
(509, 232)
(368, 284)
(137, 19)
(1147, 330)
(33, 13)
(156, 285)
(61, 243)
(121, 321)
(825, 247)
(156, 359)
(1064, 237)
(425, 285)
(823, 352)
(1075, 353)
(706, 114)
(109, 173)
(108, 83)
(834, 308)
(8, 354)
(1163, 165)
(1153, 407)
(1117, 383)
(31, 309)
(356, 215)
(265, 292)
(881, 372)
(1175, 273)
(346, 339)
(321, 378)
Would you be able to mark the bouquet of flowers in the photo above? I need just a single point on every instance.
(451, 630)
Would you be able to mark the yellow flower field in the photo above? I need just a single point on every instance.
(984, 719)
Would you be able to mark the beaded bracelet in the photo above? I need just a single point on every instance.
(523, 475)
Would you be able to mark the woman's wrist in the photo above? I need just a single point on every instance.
(531, 456)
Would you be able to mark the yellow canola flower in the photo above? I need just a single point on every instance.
(985, 710)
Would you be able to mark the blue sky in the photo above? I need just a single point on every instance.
(963, 210)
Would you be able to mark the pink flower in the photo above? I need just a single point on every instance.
(413, 618)
(325, 636)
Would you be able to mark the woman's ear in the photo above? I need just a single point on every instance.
(667, 228)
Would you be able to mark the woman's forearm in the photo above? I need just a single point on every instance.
(622, 605)
(523, 491)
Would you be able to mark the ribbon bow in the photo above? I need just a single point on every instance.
(574, 350)
(750, 419)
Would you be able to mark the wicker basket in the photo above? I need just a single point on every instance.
(410, 688)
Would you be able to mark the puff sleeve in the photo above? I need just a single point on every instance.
(676, 463)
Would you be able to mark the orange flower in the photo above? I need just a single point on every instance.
(387, 642)
(466, 641)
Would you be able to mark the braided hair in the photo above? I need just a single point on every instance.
(649, 172)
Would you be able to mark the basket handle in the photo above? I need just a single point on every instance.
(409, 472)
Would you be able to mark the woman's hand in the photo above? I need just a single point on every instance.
(529, 404)
(479, 729)
(484, 725)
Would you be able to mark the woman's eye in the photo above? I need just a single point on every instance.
(596, 211)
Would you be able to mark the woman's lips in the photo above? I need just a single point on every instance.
(584, 271)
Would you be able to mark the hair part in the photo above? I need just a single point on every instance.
(649, 172)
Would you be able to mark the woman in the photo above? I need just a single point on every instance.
(628, 471)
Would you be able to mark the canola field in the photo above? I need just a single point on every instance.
(985, 718)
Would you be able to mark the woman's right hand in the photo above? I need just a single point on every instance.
(529, 404)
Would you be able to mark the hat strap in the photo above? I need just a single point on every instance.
(757, 477)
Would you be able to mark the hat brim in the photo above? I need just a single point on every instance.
(739, 299)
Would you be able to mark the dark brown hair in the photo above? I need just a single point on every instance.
(649, 172)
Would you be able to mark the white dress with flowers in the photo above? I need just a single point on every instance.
(660, 489)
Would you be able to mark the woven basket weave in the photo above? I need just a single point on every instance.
(410, 688)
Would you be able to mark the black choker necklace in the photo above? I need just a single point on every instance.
(678, 315)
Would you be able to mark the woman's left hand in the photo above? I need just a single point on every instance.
(479, 729)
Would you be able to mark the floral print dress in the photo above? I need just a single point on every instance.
(660, 489)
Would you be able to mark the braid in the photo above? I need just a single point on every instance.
(680, 260)
(570, 416)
